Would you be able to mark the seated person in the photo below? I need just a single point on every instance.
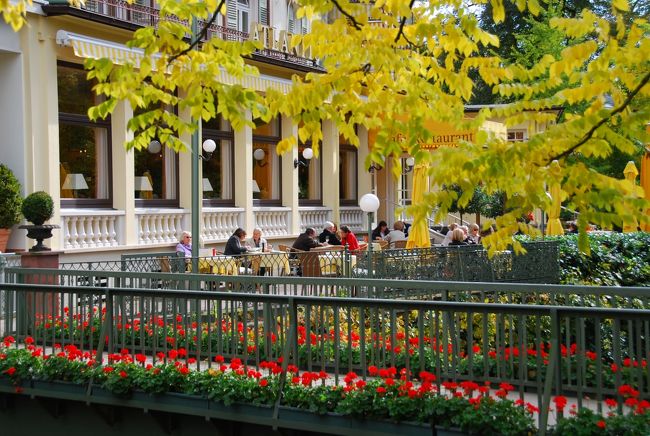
(380, 231)
(185, 244)
(328, 235)
(257, 241)
(235, 245)
(465, 230)
(458, 237)
(397, 234)
(306, 241)
(572, 227)
(450, 231)
(474, 234)
(348, 238)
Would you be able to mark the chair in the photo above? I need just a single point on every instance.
(398, 244)
(383, 244)
(294, 261)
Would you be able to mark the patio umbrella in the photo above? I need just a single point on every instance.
(645, 180)
(630, 172)
(419, 232)
(554, 226)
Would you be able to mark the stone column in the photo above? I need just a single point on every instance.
(243, 171)
(290, 177)
(330, 157)
(123, 177)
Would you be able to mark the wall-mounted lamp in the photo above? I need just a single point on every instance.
(307, 154)
(259, 155)
(410, 164)
(209, 146)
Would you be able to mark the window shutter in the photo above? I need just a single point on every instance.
(264, 12)
(305, 27)
(231, 12)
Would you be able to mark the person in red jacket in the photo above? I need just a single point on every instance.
(348, 238)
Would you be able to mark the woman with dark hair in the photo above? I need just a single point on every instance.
(380, 231)
(235, 245)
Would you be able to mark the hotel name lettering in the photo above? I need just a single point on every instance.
(450, 139)
(272, 39)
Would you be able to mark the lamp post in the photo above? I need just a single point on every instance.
(369, 203)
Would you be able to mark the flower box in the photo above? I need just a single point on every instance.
(172, 401)
(342, 424)
(241, 412)
(58, 389)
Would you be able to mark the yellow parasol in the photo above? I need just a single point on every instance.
(645, 179)
(630, 172)
(554, 226)
(419, 232)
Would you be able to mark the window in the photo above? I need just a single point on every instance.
(348, 157)
(218, 176)
(84, 145)
(295, 25)
(156, 174)
(310, 190)
(266, 171)
(263, 12)
(517, 135)
(237, 12)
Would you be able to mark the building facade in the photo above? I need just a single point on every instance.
(109, 200)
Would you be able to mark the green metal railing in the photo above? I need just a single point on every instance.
(545, 349)
(461, 263)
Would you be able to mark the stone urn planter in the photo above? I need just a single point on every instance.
(37, 208)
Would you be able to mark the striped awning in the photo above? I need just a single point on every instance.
(94, 48)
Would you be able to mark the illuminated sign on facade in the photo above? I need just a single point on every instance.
(272, 39)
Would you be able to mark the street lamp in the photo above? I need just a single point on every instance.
(369, 203)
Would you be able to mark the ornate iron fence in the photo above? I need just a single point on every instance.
(543, 350)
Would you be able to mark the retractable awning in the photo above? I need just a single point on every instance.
(94, 48)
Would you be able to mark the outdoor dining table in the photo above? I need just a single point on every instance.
(275, 262)
(220, 265)
(331, 263)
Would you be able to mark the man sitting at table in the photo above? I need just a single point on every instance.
(235, 245)
(329, 235)
(306, 241)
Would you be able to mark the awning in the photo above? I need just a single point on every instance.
(94, 48)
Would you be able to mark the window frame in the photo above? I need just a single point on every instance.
(84, 121)
(306, 201)
(270, 140)
(217, 136)
(348, 147)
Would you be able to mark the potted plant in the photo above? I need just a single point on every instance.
(37, 208)
(10, 203)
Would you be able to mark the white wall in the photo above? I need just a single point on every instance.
(12, 126)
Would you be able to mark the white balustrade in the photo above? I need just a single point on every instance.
(88, 228)
(314, 217)
(274, 221)
(354, 218)
(220, 223)
(159, 226)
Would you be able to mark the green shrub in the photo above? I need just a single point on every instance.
(617, 259)
(38, 207)
(10, 198)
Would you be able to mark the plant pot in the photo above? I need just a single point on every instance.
(191, 404)
(241, 412)
(39, 233)
(58, 389)
(4, 239)
(343, 424)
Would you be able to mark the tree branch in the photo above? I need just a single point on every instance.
(203, 34)
(400, 31)
(349, 16)
(595, 127)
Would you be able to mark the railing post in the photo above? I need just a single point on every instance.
(291, 338)
(553, 373)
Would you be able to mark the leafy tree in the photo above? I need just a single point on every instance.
(476, 204)
(394, 65)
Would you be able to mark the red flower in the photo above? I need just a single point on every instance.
(381, 390)
(373, 371)
(218, 359)
(560, 402)
(172, 354)
(184, 370)
(11, 371)
(264, 383)
(601, 424)
(123, 374)
(611, 403)
(591, 355)
(29, 340)
(140, 358)
(108, 369)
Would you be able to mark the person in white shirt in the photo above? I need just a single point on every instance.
(450, 230)
(257, 241)
(397, 234)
